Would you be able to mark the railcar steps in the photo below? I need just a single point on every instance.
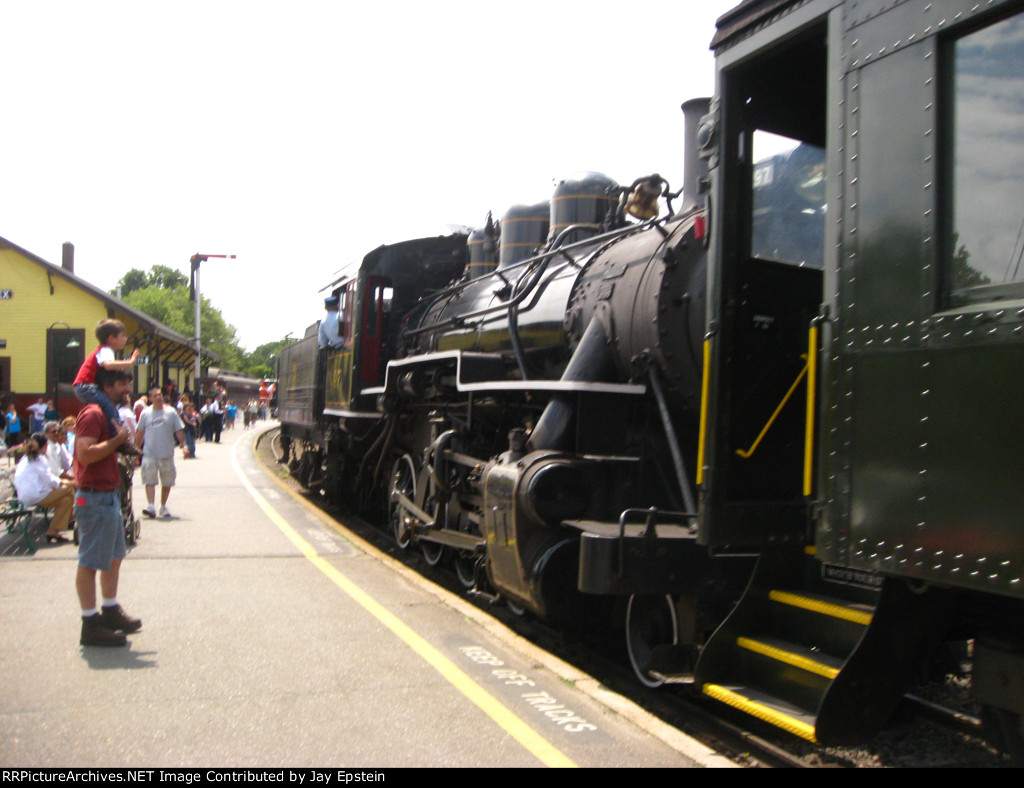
(817, 660)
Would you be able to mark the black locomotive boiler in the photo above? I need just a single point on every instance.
(772, 419)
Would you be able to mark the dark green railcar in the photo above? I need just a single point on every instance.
(884, 329)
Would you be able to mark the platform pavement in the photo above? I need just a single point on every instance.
(271, 639)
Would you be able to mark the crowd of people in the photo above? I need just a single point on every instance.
(205, 421)
(71, 466)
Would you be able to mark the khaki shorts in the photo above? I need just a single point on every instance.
(152, 468)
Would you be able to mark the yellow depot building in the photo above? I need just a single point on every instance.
(48, 318)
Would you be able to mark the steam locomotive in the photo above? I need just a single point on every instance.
(765, 422)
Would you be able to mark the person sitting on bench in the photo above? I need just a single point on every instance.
(36, 485)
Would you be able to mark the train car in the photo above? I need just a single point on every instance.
(765, 428)
(895, 489)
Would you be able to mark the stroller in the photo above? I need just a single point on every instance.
(132, 524)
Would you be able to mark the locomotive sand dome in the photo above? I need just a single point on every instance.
(523, 231)
(582, 202)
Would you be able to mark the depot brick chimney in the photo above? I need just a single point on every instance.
(67, 260)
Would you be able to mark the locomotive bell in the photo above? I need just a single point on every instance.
(643, 200)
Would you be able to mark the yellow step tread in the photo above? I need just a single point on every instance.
(796, 721)
(791, 654)
(855, 613)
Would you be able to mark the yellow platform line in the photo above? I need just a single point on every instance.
(762, 712)
(543, 750)
(824, 608)
(788, 657)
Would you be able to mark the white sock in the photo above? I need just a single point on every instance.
(109, 602)
(90, 612)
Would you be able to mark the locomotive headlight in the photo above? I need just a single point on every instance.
(643, 200)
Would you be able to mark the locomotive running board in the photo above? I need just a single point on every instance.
(480, 372)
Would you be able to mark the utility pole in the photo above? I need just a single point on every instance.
(196, 259)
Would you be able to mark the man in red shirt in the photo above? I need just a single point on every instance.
(98, 512)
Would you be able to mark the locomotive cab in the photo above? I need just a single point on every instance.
(390, 281)
(364, 312)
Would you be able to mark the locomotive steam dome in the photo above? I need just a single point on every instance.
(582, 200)
(524, 229)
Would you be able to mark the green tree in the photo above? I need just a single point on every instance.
(262, 362)
(167, 278)
(159, 276)
(172, 307)
(130, 282)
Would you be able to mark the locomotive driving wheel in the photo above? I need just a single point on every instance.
(433, 552)
(403, 482)
(650, 622)
(465, 567)
(514, 607)
(438, 491)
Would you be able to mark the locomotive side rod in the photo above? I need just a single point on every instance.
(427, 529)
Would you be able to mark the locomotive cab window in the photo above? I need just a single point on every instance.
(984, 241)
(347, 298)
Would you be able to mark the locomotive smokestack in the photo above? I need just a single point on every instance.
(695, 169)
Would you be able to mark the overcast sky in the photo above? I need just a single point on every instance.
(301, 135)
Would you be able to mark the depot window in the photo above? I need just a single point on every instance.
(984, 239)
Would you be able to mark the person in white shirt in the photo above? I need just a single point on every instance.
(67, 429)
(127, 414)
(331, 331)
(36, 485)
(57, 454)
(160, 429)
(38, 414)
(217, 414)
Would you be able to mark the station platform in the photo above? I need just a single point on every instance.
(272, 637)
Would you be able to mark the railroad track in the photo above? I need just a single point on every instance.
(924, 733)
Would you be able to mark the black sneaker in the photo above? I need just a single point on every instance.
(116, 619)
(96, 633)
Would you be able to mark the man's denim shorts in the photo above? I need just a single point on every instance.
(100, 529)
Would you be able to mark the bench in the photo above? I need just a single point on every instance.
(12, 513)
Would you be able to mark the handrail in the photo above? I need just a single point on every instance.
(702, 437)
(812, 385)
(748, 452)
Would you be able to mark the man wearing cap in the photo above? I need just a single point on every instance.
(330, 326)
